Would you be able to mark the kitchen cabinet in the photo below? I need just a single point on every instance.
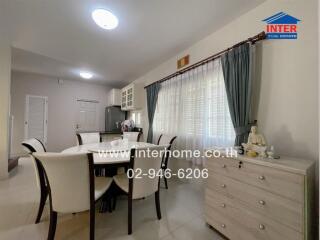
(114, 97)
(132, 97)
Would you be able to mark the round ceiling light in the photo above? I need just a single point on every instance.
(86, 75)
(105, 19)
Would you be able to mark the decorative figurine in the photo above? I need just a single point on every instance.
(255, 138)
(256, 143)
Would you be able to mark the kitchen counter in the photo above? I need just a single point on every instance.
(105, 133)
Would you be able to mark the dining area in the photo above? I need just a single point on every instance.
(93, 177)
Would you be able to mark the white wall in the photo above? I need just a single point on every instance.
(62, 107)
(287, 109)
(5, 69)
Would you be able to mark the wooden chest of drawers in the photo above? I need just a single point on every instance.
(252, 198)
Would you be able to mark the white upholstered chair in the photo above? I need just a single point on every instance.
(86, 138)
(72, 185)
(31, 146)
(131, 136)
(145, 186)
(166, 140)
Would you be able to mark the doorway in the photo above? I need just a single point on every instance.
(36, 118)
(87, 119)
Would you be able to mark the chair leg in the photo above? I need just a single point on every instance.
(43, 199)
(104, 205)
(157, 199)
(165, 182)
(53, 225)
(129, 215)
(110, 207)
(92, 223)
(114, 202)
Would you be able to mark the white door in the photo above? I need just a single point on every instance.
(87, 119)
(36, 118)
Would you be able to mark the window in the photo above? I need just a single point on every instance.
(136, 117)
(194, 107)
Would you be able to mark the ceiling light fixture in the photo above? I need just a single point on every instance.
(105, 19)
(86, 75)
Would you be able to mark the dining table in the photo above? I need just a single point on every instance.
(109, 153)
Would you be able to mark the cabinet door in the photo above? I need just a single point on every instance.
(115, 98)
(130, 97)
(124, 99)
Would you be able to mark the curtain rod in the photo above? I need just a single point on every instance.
(253, 40)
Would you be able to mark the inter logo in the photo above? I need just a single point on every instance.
(282, 26)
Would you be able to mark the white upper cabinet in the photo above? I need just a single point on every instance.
(114, 97)
(132, 97)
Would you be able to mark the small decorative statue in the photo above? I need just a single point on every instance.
(255, 138)
(256, 144)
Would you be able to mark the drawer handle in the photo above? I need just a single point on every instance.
(223, 225)
(223, 205)
(261, 226)
(262, 177)
(224, 166)
(262, 202)
(223, 186)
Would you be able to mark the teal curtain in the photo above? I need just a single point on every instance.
(152, 98)
(236, 66)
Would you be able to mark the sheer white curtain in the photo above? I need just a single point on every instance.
(194, 107)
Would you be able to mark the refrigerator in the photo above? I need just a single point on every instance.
(114, 118)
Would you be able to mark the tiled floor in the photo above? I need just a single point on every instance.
(181, 207)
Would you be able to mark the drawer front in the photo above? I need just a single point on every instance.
(286, 184)
(225, 225)
(280, 209)
(239, 222)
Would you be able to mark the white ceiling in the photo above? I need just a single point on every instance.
(58, 37)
